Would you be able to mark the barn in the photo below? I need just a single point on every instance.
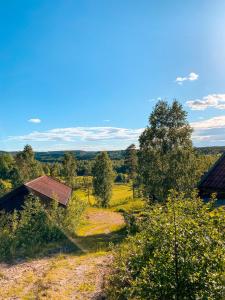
(214, 182)
(45, 187)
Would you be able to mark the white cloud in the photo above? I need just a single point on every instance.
(211, 130)
(206, 132)
(213, 100)
(81, 133)
(213, 123)
(34, 120)
(191, 77)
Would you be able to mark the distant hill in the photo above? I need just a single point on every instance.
(52, 156)
(211, 150)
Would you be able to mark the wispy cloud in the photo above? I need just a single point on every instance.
(206, 132)
(210, 131)
(34, 120)
(213, 100)
(81, 133)
(191, 77)
(155, 99)
(212, 123)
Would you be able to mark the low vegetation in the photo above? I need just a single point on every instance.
(178, 253)
(36, 229)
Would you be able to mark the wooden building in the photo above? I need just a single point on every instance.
(214, 182)
(45, 187)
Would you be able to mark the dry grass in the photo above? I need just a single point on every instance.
(62, 277)
(100, 221)
(67, 276)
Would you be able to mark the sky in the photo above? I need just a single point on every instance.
(87, 74)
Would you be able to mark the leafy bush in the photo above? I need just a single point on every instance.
(178, 254)
(5, 186)
(27, 232)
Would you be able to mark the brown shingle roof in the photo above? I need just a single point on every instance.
(215, 178)
(50, 188)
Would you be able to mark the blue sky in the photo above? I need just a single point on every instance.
(87, 74)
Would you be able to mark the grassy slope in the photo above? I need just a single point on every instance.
(74, 275)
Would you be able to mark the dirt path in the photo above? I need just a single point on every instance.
(69, 276)
(64, 277)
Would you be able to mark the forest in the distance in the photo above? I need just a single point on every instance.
(53, 156)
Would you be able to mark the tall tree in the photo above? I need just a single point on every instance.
(26, 164)
(69, 167)
(55, 169)
(103, 179)
(166, 158)
(131, 163)
(6, 165)
(87, 179)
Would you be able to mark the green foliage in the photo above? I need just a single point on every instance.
(103, 179)
(204, 163)
(69, 167)
(26, 167)
(6, 165)
(166, 156)
(5, 186)
(84, 167)
(131, 161)
(46, 168)
(179, 253)
(27, 232)
(121, 178)
(131, 165)
(55, 170)
(67, 219)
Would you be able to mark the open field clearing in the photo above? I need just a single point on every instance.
(99, 229)
(121, 198)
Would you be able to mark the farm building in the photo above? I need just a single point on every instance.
(45, 187)
(214, 182)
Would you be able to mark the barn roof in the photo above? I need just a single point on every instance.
(46, 188)
(50, 188)
(215, 177)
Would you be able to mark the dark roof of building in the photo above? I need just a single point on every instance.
(50, 188)
(215, 177)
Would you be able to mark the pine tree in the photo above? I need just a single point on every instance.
(167, 158)
(103, 179)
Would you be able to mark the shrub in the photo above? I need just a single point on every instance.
(179, 254)
(5, 186)
(27, 232)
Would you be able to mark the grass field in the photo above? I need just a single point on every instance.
(121, 198)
